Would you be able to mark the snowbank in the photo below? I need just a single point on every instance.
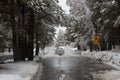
(18, 71)
(109, 57)
(6, 53)
(107, 75)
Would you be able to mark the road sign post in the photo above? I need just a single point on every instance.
(96, 39)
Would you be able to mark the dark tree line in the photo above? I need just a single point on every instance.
(22, 22)
(105, 18)
(30, 23)
(101, 17)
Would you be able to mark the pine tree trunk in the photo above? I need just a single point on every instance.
(109, 45)
(37, 44)
(113, 43)
(25, 33)
(19, 40)
(31, 35)
(21, 49)
(119, 44)
(14, 29)
(91, 46)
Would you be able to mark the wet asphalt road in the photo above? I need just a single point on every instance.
(71, 68)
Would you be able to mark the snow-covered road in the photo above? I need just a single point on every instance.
(106, 57)
(50, 51)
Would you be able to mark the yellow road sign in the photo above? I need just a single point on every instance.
(96, 39)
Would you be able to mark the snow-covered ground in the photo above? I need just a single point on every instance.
(18, 71)
(6, 53)
(111, 58)
(108, 57)
(107, 75)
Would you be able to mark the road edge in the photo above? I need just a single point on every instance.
(38, 74)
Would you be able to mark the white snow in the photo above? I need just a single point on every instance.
(108, 57)
(6, 53)
(62, 3)
(18, 71)
(10, 77)
(117, 22)
(107, 75)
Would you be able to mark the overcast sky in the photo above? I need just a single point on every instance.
(62, 3)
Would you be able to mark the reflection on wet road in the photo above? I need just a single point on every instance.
(70, 68)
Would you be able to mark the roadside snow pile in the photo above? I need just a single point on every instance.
(18, 71)
(108, 57)
(10, 77)
(107, 75)
(6, 53)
